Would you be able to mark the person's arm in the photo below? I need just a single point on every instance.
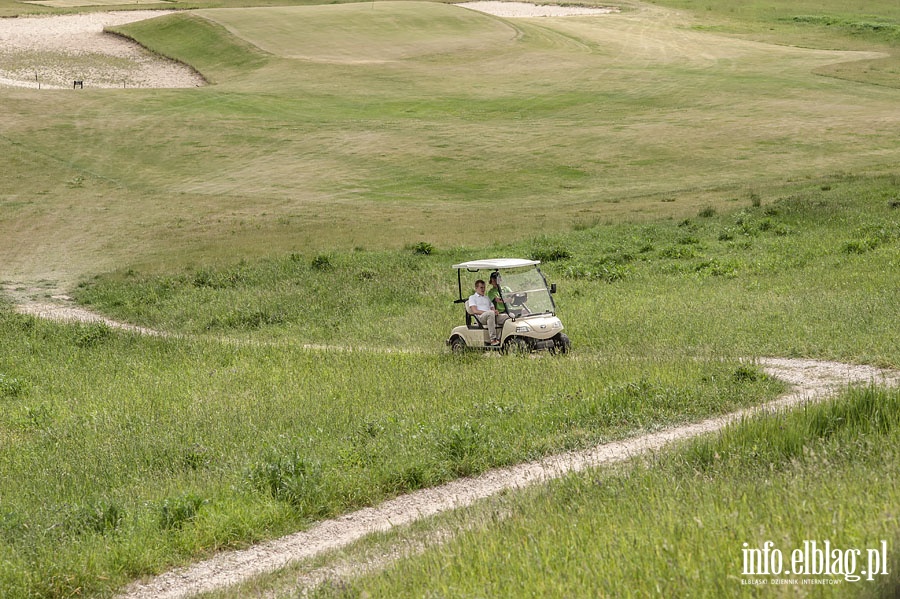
(474, 310)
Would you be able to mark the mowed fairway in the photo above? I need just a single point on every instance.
(385, 124)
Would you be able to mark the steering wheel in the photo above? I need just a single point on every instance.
(518, 299)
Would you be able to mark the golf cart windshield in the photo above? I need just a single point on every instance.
(525, 292)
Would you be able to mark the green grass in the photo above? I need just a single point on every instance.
(124, 455)
(698, 195)
(564, 120)
(809, 272)
(676, 524)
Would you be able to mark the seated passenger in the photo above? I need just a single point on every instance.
(481, 308)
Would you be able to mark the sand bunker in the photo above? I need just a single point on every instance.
(524, 9)
(52, 52)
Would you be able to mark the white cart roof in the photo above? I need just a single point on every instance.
(496, 263)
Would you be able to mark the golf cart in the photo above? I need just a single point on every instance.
(530, 323)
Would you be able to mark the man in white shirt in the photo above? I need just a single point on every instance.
(481, 307)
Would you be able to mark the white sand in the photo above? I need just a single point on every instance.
(53, 51)
(524, 9)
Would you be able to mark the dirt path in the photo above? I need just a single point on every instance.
(812, 380)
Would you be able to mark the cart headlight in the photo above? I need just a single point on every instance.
(523, 328)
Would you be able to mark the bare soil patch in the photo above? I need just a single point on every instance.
(51, 52)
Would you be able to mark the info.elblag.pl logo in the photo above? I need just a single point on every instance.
(831, 564)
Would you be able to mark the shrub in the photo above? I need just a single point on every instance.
(707, 212)
(423, 247)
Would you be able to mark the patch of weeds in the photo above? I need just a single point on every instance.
(197, 456)
(461, 445)
(707, 212)
(292, 478)
(38, 418)
(781, 231)
(859, 246)
(869, 238)
(100, 517)
(217, 280)
(410, 478)
(11, 387)
(175, 512)
(247, 319)
(322, 263)
(716, 268)
(549, 251)
(92, 335)
(586, 225)
(204, 278)
(688, 240)
(75, 182)
(423, 248)
(894, 203)
(727, 234)
(746, 374)
(12, 526)
(678, 253)
(606, 272)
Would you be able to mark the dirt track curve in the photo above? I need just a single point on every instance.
(811, 380)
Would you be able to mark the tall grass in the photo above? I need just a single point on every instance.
(677, 524)
(123, 455)
(807, 272)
